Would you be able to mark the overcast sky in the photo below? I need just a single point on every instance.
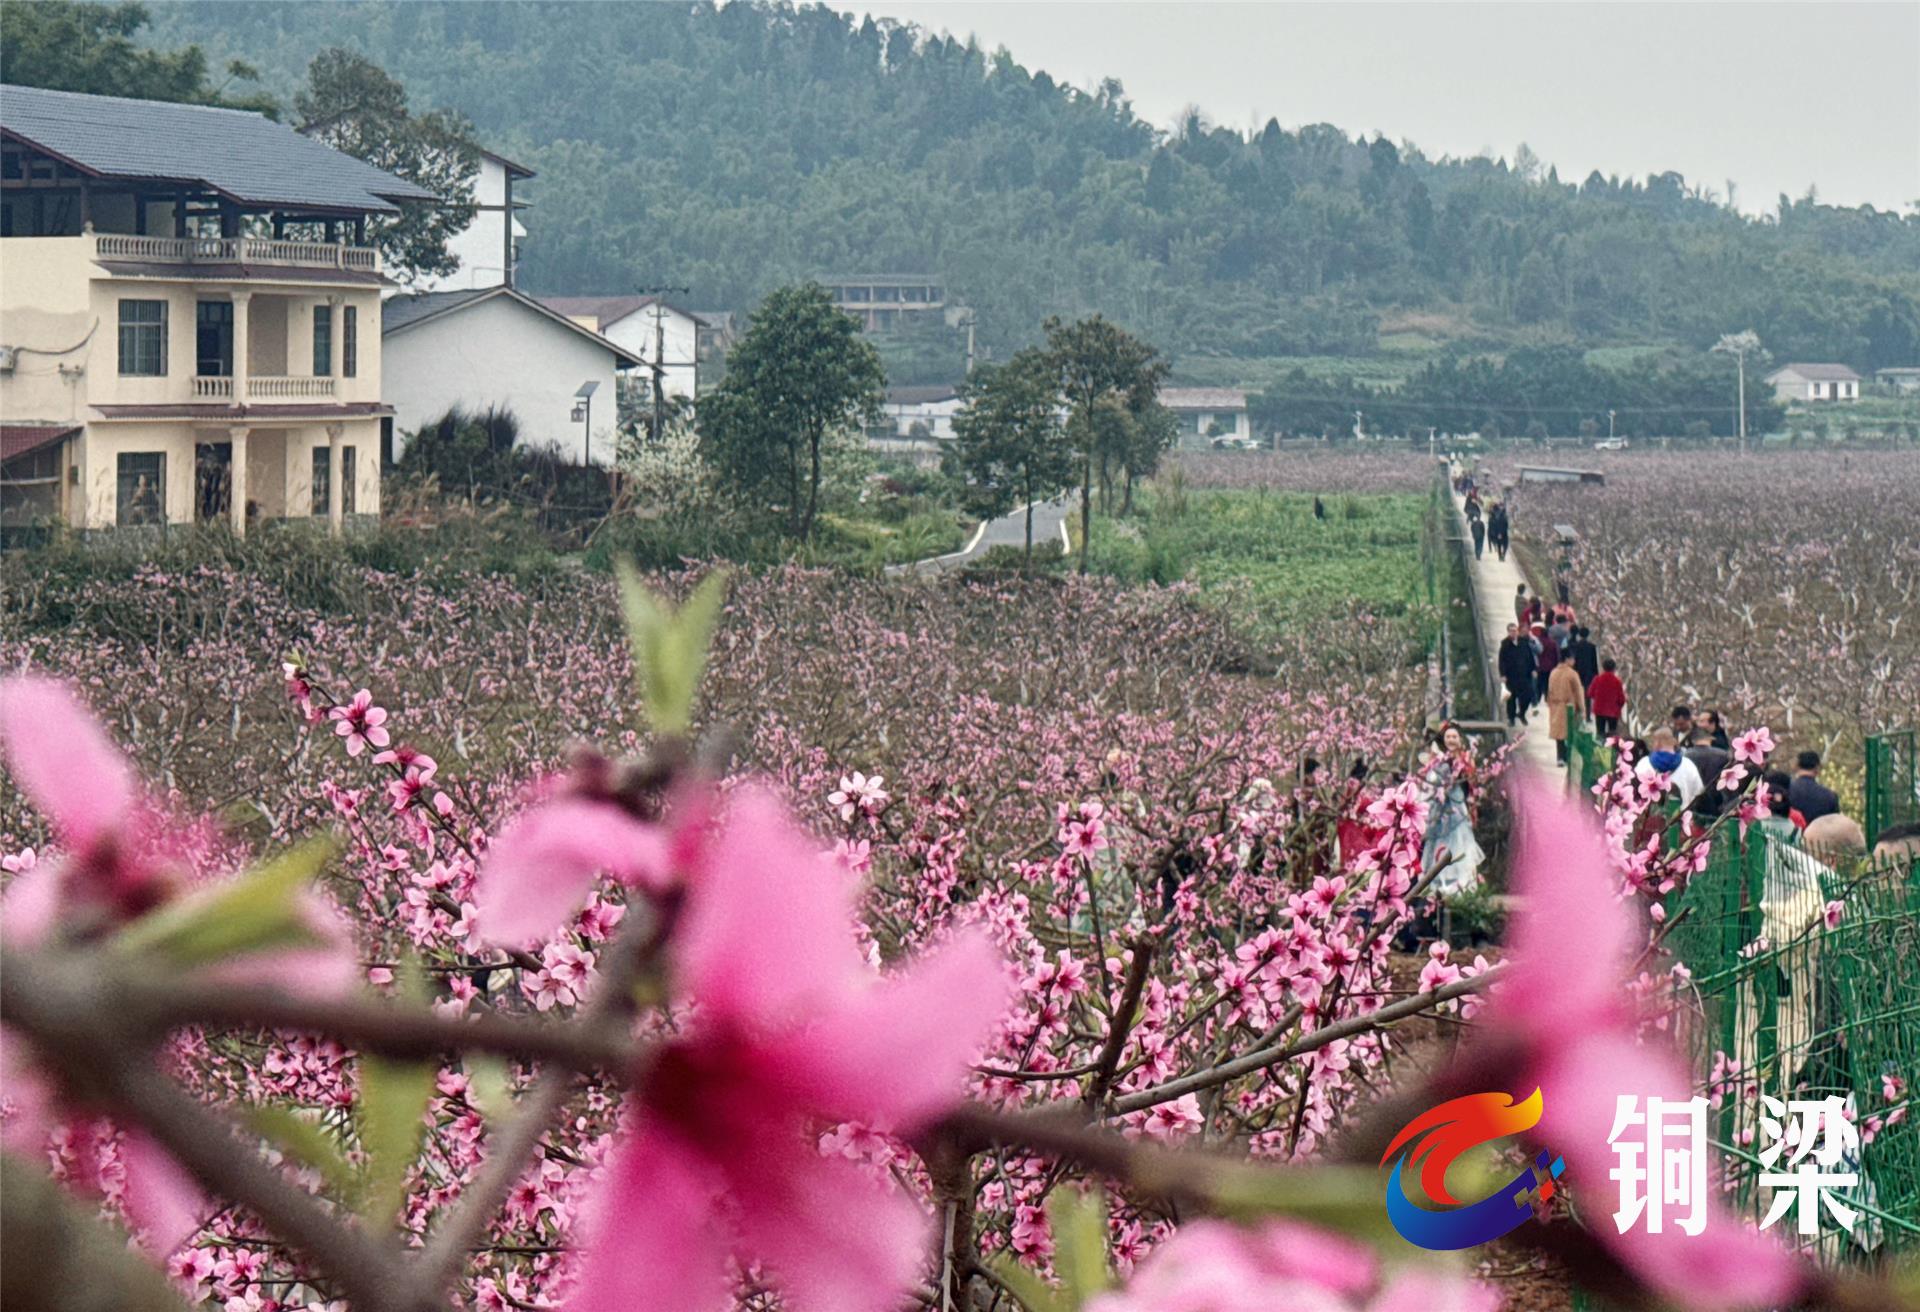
(1774, 96)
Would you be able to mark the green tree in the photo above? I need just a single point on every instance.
(800, 377)
(351, 103)
(68, 46)
(1007, 441)
(1100, 363)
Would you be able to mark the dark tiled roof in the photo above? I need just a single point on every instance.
(19, 439)
(399, 311)
(1818, 373)
(239, 414)
(244, 155)
(921, 394)
(402, 312)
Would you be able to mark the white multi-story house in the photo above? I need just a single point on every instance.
(1815, 382)
(665, 338)
(189, 316)
(488, 248)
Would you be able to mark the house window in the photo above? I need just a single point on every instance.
(350, 344)
(322, 340)
(143, 339)
(322, 476)
(213, 339)
(348, 470)
(142, 489)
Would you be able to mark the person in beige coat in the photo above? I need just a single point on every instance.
(1565, 698)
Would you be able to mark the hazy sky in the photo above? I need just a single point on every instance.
(1773, 96)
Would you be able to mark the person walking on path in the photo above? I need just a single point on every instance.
(1549, 658)
(1520, 603)
(1811, 798)
(1667, 763)
(1586, 659)
(1608, 699)
(1515, 664)
(1478, 527)
(1497, 528)
(1566, 703)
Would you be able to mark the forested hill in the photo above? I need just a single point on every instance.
(732, 149)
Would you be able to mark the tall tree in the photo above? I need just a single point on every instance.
(351, 103)
(1098, 362)
(68, 46)
(1007, 440)
(800, 377)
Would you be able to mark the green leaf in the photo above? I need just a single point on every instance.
(304, 1142)
(1342, 1198)
(259, 910)
(1035, 1294)
(393, 1099)
(1079, 1222)
(669, 646)
(489, 1086)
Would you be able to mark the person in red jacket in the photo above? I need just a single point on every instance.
(1549, 658)
(1608, 697)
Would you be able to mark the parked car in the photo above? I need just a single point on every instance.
(1611, 444)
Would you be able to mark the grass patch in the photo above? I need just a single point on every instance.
(1265, 556)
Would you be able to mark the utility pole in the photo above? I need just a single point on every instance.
(659, 365)
(1738, 345)
(1609, 425)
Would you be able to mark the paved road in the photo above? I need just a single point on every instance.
(1495, 580)
(1009, 530)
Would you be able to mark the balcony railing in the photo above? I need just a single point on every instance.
(271, 388)
(235, 250)
(265, 387)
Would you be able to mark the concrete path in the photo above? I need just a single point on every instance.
(1496, 581)
(1009, 530)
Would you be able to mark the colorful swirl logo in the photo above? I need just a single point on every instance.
(1432, 1140)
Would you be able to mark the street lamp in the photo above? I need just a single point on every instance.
(583, 414)
(1609, 425)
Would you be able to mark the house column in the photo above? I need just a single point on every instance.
(336, 518)
(240, 348)
(237, 475)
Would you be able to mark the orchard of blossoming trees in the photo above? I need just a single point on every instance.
(1779, 590)
(446, 943)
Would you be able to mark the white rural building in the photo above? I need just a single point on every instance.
(488, 248)
(654, 331)
(1815, 382)
(921, 412)
(495, 346)
(1208, 413)
(1903, 378)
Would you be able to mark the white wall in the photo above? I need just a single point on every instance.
(500, 352)
(478, 246)
(681, 334)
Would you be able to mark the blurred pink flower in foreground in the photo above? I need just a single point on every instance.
(1569, 1003)
(1212, 1266)
(787, 1031)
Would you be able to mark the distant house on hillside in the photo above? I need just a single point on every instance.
(488, 248)
(1204, 414)
(654, 331)
(1815, 382)
(919, 413)
(1905, 378)
(495, 346)
(883, 302)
